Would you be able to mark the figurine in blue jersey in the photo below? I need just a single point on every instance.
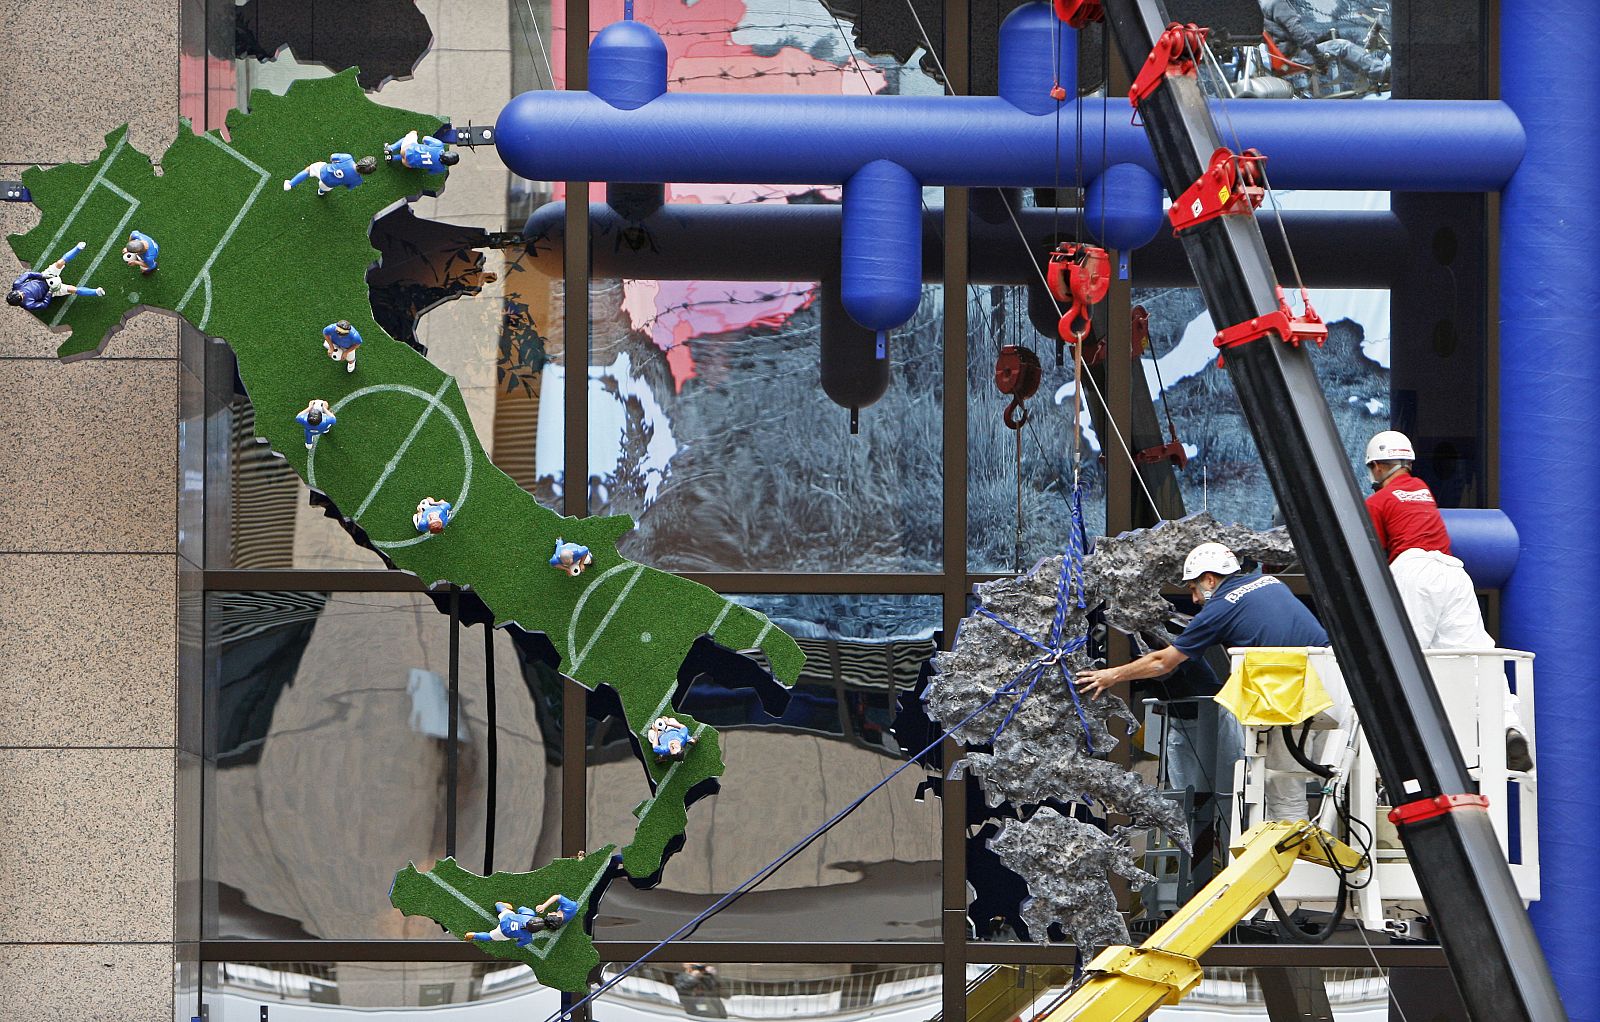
(432, 515)
(140, 252)
(340, 340)
(35, 290)
(515, 924)
(316, 419)
(340, 171)
(571, 558)
(669, 739)
(425, 153)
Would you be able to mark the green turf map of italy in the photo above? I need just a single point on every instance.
(266, 269)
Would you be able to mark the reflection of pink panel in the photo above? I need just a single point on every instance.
(674, 312)
(702, 57)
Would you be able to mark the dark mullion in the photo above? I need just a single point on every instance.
(953, 801)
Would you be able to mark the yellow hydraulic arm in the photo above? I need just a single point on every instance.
(1126, 984)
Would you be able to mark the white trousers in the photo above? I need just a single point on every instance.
(1443, 608)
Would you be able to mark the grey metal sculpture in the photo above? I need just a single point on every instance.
(1046, 748)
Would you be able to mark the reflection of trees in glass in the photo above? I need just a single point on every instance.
(1225, 474)
(998, 316)
(522, 349)
(766, 474)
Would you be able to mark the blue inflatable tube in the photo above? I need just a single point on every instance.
(880, 251)
(1400, 145)
(1486, 542)
(1549, 414)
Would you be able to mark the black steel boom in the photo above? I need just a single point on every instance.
(1475, 906)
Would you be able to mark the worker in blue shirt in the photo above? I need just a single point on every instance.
(557, 911)
(140, 252)
(341, 170)
(1236, 609)
(340, 340)
(425, 153)
(316, 419)
(35, 290)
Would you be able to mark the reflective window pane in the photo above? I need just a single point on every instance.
(326, 760)
(875, 876)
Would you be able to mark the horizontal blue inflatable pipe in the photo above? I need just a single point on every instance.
(1486, 542)
(1401, 145)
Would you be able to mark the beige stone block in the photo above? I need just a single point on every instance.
(483, 25)
(74, 73)
(472, 85)
(92, 661)
(91, 830)
(86, 983)
(146, 335)
(91, 446)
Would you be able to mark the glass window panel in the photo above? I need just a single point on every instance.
(707, 420)
(1224, 474)
(875, 876)
(888, 993)
(487, 991)
(997, 315)
(326, 725)
(1310, 49)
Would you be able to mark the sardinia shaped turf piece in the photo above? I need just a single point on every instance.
(464, 902)
(266, 270)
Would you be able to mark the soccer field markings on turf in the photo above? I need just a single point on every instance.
(459, 896)
(575, 656)
(433, 401)
(727, 606)
(400, 452)
(99, 176)
(227, 236)
(100, 255)
(542, 941)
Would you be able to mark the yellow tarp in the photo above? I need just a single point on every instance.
(1274, 685)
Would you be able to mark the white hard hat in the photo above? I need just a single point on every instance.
(1206, 557)
(1390, 446)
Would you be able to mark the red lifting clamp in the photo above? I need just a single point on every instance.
(1078, 13)
(1231, 183)
(1079, 275)
(1428, 808)
(1308, 326)
(1171, 451)
(1171, 55)
(1017, 372)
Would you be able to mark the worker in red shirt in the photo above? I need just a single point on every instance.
(1434, 586)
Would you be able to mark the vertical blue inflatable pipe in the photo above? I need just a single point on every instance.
(1031, 63)
(1122, 207)
(627, 65)
(1549, 419)
(880, 246)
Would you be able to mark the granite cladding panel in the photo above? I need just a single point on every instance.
(86, 828)
(70, 676)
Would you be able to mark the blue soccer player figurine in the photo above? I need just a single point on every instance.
(340, 171)
(426, 153)
(317, 418)
(341, 340)
(140, 252)
(522, 923)
(571, 558)
(669, 739)
(432, 515)
(34, 290)
(516, 924)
